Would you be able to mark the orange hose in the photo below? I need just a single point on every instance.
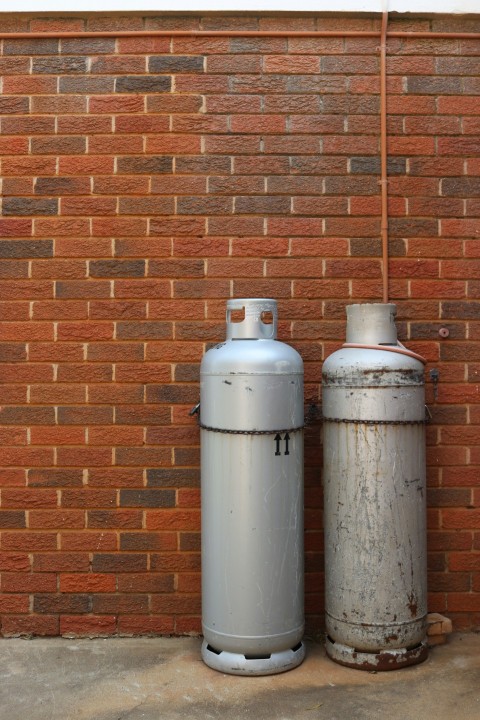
(389, 348)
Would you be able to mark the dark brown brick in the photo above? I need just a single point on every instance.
(262, 205)
(120, 604)
(401, 227)
(10, 105)
(372, 247)
(86, 85)
(460, 352)
(204, 205)
(29, 206)
(117, 268)
(350, 104)
(59, 65)
(176, 64)
(62, 603)
(144, 330)
(182, 394)
(448, 497)
(13, 415)
(143, 84)
(461, 187)
(187, 372)
(144, 165)
(58, 145)
(448, 414)
(88, 46)
(12, 519)
(26, 248)
(212, 165)
(47, 46)
(13, 352)
(173, 477)
(190, 541)
(146, 582)
(142, 415)
(112, 562)
(461, 310)
(147, 498)
(114, 519)
(55, 477)
(82, 289)
(428, 85)
(147, 206)
(351, 186)
(429, 330)
(27, 126)
(371, 166)
(142, 541)
(62, 185)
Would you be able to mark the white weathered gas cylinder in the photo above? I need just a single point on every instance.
(251, 419)
(375, 507)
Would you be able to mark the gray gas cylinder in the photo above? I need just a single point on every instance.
(374, 485)
(251, 418)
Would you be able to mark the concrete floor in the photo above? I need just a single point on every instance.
(165, 679)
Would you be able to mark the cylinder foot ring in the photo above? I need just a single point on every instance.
(239, 664)
(384, 660)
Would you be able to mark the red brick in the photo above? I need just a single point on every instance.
(87, 625)
(146, 625)
(91, 541)
(172, 520)
(86, 582)
(84, 457)
(28, 541)
(28, 625)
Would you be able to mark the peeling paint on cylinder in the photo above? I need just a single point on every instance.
(375, 508)
(252, 497)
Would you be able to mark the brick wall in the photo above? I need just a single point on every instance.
(146, 180)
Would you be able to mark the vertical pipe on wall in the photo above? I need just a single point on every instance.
(383, 155)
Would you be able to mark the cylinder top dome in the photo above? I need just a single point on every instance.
(372, 324)
(259, 322)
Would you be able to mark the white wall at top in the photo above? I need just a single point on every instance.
(401, 6)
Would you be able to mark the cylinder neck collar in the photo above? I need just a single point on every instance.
(260, 319)
(372, 324)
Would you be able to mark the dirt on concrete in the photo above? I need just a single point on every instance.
(165, 679)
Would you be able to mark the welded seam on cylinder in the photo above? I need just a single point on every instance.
(249, 432)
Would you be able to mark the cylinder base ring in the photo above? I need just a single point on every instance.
(238, 664)
(381, 661)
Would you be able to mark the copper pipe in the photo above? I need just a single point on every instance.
(400, 349)
(383, 156)
(236, 33)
